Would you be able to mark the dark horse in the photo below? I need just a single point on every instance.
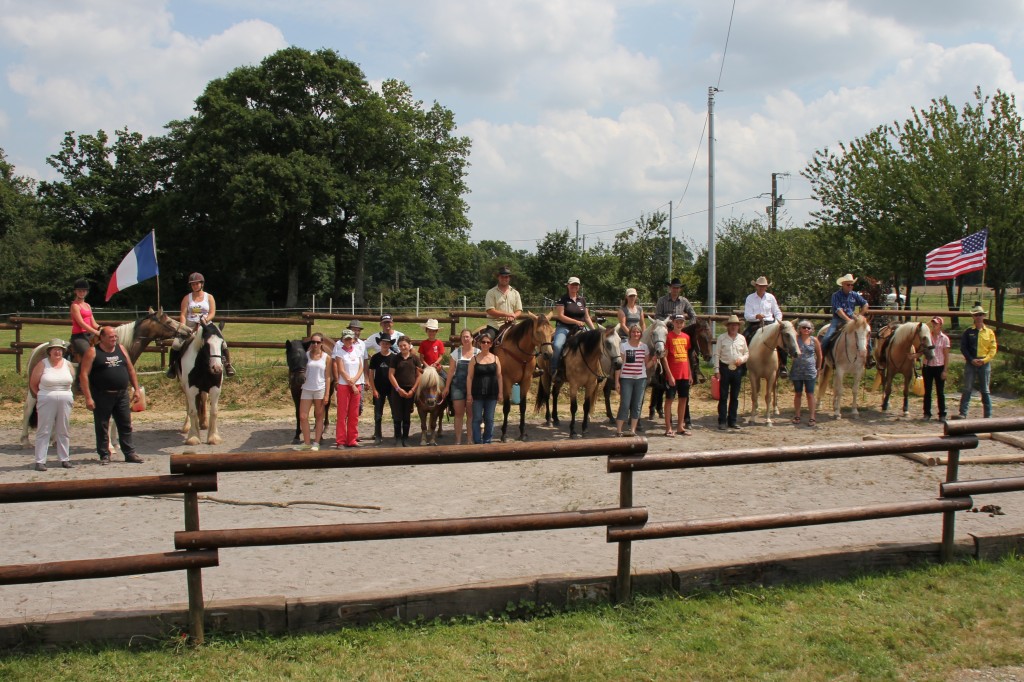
(700, 338)
(295, 355)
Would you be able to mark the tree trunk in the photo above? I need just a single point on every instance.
(910, 289)
(360, 276)
(292, 298)
(1000, 302)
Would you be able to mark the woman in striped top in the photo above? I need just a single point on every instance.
(631, 380)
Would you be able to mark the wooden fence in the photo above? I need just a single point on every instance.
(197, 548)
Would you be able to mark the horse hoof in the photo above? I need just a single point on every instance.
(214, 440)
(192, 441)
(575, 435)
(523, 438)
(296, 441)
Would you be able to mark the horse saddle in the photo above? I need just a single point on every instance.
(884, 339)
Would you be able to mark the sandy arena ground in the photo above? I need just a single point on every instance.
(39, 532)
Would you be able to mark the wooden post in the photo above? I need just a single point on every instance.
(17, 347)
(623, 577)
(949, 518)
(194, 577)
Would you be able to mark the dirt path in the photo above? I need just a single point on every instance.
(39, 532)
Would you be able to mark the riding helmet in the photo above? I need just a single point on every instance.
(196, 277)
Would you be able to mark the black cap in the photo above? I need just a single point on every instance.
(676, 282)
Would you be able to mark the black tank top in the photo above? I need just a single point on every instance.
(109, 370)
(485, 381)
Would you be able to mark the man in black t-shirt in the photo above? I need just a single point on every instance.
(380, 383)
(105, 375)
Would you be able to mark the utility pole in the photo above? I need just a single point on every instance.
(578, 235)
(776, 200)
(711, 202)
(669, 241)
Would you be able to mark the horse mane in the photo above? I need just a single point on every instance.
(430, 380)
(585, 342)
(907, 332)
(524, 327)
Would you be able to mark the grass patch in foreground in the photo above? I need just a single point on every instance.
(922, 624)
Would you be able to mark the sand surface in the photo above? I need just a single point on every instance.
(39, 532)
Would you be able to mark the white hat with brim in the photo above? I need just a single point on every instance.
(732, 320)
(55, 343)
(761, 281)
(846, 278)
(977, 310)
(431, 323)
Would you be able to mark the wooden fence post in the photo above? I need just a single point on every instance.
(623, 577)
(949, 518)
(17, 347)
(194, 577)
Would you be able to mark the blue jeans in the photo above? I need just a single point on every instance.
(982, 374)
(557, 342)
(830, 332)
(631, 398)
(483, 411)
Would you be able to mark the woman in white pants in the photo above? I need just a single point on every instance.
(51, 383)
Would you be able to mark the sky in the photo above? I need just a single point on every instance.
(588, 112)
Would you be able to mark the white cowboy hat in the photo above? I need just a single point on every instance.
(977, 310)
(431, 324)
(55, 343)
(761, 281)
(733, 319)
(846, 278)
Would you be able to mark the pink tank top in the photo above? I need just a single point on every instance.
(86, 317)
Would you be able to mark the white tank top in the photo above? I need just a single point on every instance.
(197, 309)
(316, 373)
(55, 380)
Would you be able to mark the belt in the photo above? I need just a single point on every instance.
(114, 391)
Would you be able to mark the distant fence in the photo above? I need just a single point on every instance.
(197, 548)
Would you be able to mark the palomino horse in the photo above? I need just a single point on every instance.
(430, 403)
(764, 365)
(134, 336)
(700, 347)
(201, 374)
(518, 352)
(892, 356)
(295, 356)
(588, 358)
(848, 355)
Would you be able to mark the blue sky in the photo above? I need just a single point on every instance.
(578, 110)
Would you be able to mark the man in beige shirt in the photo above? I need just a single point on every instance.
(502, 302)
(729, 358)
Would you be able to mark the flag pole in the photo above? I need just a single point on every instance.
(157, 273)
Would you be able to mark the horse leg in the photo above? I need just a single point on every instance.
(854, 412)
(588, 403)
(213, 435)
(523, 389)
(298, 420)
(755, 388)
(423, 424)
(886, 388)
(506, 407)
(906, 397)
(837, 389)
(608, 401)
(770, 384)
(572, 421)
(201, 409)
(192, 418)
(555, 390)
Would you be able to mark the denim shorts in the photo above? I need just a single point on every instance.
(457, 393)
(802, 385)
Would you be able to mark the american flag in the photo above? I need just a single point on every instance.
(957, 258)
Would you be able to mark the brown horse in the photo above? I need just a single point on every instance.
(764, 365)
(431, 404)
(892, 356)
(134, 336)
(588, 358)
(518, 352)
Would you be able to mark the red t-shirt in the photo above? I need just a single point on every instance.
(431, 351)
(678, 354)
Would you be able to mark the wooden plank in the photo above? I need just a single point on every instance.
(1015, 441)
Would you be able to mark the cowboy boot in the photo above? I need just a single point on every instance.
(229, 371)
(172, 363)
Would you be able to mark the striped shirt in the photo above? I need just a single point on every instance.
(635, 368)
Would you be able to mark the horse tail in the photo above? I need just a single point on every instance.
(33, 419)
(542, 393)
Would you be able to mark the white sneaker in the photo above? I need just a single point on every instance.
(315, 446)
(302, 447)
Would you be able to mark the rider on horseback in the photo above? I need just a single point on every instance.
(503, 303)
(571, 316)
(845, 303)
(673, 303)
(197, 308)
(760, 310)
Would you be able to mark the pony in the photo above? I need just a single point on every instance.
(701, 340)
(892, 356)
(847, 355)
(134, 336)
(588, 358)
(201, 373)
(518, 353)
(764, 365)
(430, 403)
(295, 356)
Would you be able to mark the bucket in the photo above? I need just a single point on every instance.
(140, 403)
(716, 387)
(515, 394)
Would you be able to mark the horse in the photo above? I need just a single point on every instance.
(518, 353)
(847, 355)
(701, 341)
(588, 358)
(295, 356)
(201, 373)
(430, 403)
(892, 356)
(763, 363)
(134, 336)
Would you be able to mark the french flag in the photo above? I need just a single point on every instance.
(139, 265)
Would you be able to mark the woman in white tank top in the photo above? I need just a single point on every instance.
(198, 306)
(51, 382)
(314, 390)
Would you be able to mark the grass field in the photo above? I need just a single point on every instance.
(924, 624)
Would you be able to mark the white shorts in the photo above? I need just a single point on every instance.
(312, 395)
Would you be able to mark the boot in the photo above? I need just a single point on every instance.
(377, 438)
(229, 371)
(172, 364)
